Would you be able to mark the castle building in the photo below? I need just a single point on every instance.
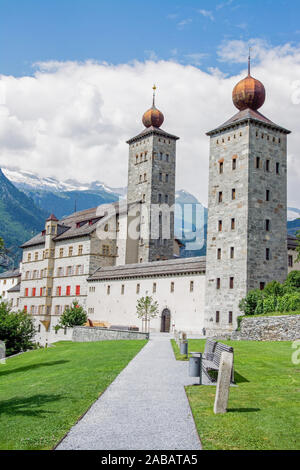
(57, 261)
(110, 256)
(247, 207)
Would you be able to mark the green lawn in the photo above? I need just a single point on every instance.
(44, 392)
(263, 410)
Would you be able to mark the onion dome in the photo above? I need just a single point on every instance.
(249, 93)
(153, 117)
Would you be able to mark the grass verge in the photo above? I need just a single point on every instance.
(44, 392)
(263, 411)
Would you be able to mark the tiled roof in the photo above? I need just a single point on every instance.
(68, 226)
(248, 114)
(156, 268)
(16, 288)
(152, 130)
(292, 242)
(11, 273)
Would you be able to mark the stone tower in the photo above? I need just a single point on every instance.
(247, 207)
(151, 191)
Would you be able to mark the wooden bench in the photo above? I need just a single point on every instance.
(209, 349)
(212, 357)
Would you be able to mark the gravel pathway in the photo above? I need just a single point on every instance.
(144, 408)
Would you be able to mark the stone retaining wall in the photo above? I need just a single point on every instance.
(281, 328)
(85, 333)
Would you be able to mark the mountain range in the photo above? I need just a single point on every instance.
(26, 199)
(20, 218)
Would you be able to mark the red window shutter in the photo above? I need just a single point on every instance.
(26, 292)
(59, 291)
(25, 308)
(77, 290)
(41, 291)
(33, 291)
(68, 290)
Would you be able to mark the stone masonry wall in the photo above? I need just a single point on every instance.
(85, 334)
(151, 172)
(281, 328)
(246, 227)
(224, 148)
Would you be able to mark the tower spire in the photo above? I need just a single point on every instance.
(154, 90)
(249, 62)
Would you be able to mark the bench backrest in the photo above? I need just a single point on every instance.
(209, 349)
(220, 347)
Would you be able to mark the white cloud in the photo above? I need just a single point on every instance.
(237, 51)
(181, 24)
(72, 120)
(207, 14)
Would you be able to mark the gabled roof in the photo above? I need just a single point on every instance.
(16, 288)
(155, 268)
(10, 274)
(248, 115)
(292, 242)
(152, 130)
(78, 223)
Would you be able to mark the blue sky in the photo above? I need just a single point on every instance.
(70, 114)
(119, 31)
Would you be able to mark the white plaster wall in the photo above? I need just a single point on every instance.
(5, 285)
(49, 337)
(13, 299)
(187, 308)
(73, 280)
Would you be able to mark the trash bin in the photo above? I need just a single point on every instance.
(195, 365)
(184, 348)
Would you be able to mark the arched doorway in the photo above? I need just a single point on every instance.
(165, 321)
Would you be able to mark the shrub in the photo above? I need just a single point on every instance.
(16, 330)
(293, 280)
(289, 302)
(72, 316)
(259, 310)
(269, 304)
(250, 303)
(274, 288)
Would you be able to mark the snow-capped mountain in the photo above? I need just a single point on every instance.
(26, 180)
(65, 197)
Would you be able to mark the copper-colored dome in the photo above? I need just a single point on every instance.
(153, 117)
(249, 93)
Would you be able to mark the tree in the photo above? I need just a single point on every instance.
(16, 330)
(72, 316)
(146, 309)
(6, 258)
(2, 252)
